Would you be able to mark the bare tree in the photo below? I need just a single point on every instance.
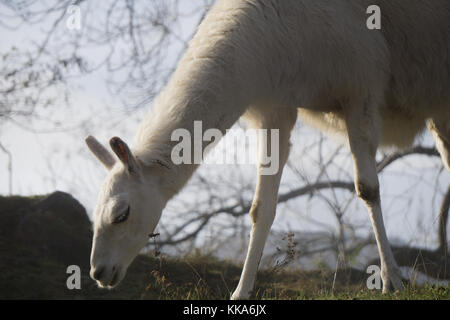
(136, 45)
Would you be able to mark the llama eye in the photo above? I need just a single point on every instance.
(123, 217)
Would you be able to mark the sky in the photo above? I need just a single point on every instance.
(412, 190)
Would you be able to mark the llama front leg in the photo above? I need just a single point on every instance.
(363, 127)
(265, 200)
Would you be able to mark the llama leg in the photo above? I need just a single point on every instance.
(441, 134)
(363, 127)
(264, 203)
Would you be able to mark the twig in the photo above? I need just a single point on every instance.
(10, 170)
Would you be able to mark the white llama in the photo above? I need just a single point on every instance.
(268, 61)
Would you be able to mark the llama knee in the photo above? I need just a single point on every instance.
(262, 214)
(370, 193)
(254, 212)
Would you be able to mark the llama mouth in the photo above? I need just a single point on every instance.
(111, 284)
(115, 279)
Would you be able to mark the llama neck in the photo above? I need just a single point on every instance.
(195, 93)
(215, 81)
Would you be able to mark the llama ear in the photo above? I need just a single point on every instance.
(125, 156)
(100, 152)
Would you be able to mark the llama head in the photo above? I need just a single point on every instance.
(128, 209)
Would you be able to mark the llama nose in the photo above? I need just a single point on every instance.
(97, 273)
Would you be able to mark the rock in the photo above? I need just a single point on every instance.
(56, 225)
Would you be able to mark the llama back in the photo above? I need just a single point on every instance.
(417, 35)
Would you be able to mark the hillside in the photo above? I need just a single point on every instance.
(40, 236)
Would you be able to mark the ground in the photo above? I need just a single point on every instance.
(41, 236)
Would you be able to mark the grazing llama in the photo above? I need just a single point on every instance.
(269, 61)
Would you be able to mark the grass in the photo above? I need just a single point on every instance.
(37, 244)
(194, 277)
(200, 277)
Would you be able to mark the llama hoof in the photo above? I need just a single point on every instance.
(392, 280)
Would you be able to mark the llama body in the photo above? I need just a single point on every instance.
(269, 61)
